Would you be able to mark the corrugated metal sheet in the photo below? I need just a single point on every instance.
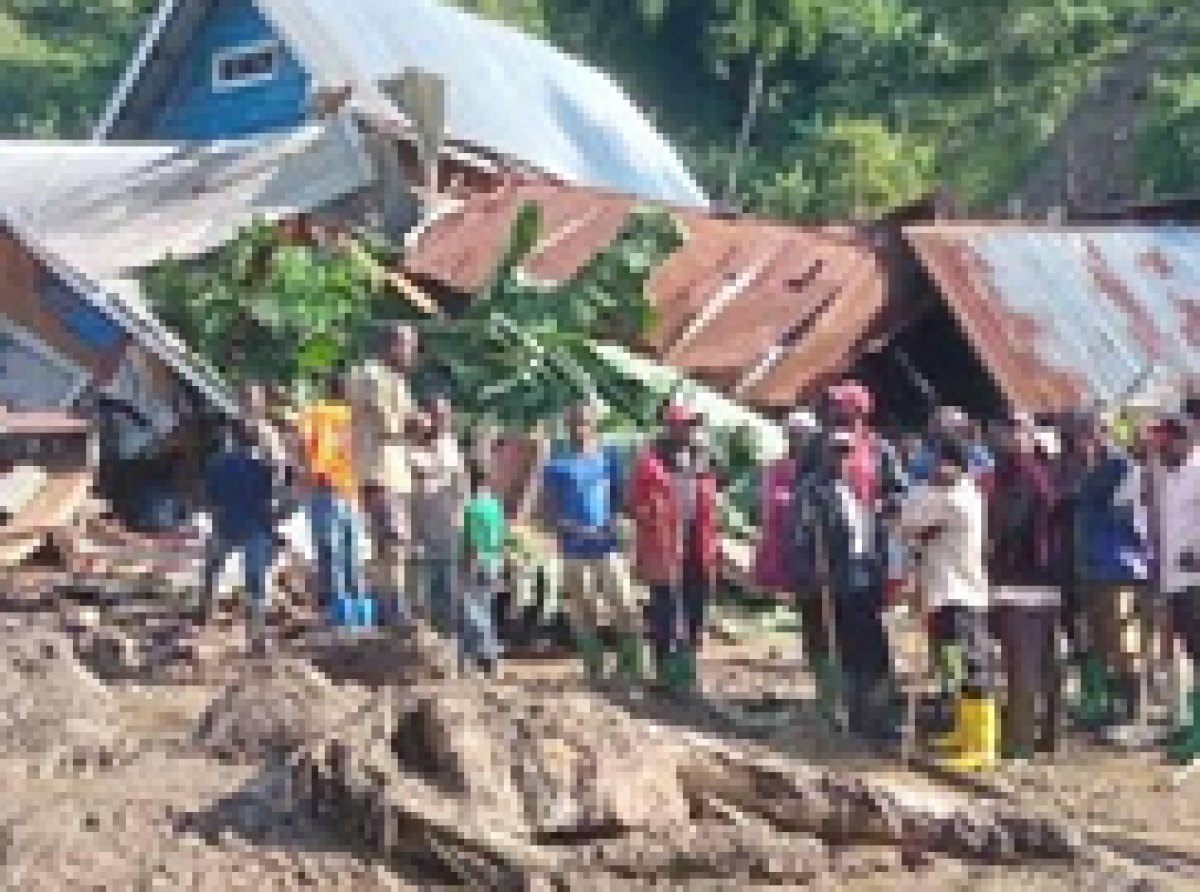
(507, 92)
(1065, 318)
(109, 209)
(762, 310)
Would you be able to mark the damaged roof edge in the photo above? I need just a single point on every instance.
(139, 324)
(1069, 317)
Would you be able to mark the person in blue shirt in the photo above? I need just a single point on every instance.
(238, 489)
(582, 489)
(949, 422)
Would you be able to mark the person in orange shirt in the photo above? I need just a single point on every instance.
(325, 443)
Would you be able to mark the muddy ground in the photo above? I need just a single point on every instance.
(198, 768)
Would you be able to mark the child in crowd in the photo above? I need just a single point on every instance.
(483, 551)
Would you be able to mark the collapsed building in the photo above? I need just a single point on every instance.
(987, 316)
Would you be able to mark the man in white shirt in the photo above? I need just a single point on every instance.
(1177, 516)
(946, 518)
(439, 493)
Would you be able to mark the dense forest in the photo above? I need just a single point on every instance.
(836, 108)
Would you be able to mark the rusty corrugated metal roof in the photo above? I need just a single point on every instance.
(739, 303)
(1071, 317)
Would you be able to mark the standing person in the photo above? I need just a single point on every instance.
(950, 421)
(773, 560)
(325, 438)
(1111, 568)
(1177, 524)
(947, 516)
(583, 488)
(482, 554)
(237, 487)
(1021, 564)
(269, 443)
(383, 407)
(844, 543)
(440, 487)
(673, 501)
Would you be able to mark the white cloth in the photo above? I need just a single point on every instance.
(952, 568)
(1177, 502)
(439, 491)
(859, 518)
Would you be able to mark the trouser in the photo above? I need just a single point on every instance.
(476, 625)
(588, 583)
(1185, 614)
(966, 629)
(1111, 611)
(863, 655)
(436, 574)
(813, 634)
(677, 612)
(335, 532)
(1028, 635)
(256, 549)
(388, 522)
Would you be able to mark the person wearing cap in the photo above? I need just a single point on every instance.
(947, 517)
(1025, 596)
(673, 504)
(583, 488)
(1176, 505)
(1110, 569)
(843, 545)
(383, 409)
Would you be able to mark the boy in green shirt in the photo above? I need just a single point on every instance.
(483, 550)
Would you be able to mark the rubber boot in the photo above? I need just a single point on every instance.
(1186, 745)
(591, 651)
(629, 657)
(829, 687)
(978, 725)
(688, 670)
(672, 672)
(950, 659)
(1094, 710)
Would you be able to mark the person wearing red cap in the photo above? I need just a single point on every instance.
(673, 503)
(843, 543)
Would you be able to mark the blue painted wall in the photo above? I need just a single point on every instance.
(193, 109)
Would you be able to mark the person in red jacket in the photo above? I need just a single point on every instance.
(673, 502)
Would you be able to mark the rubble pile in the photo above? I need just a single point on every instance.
(273, 709)
(48, 700)
(508, 790)
(380, 659)
(159, 641)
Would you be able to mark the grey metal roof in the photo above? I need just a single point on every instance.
(109, 209)
(1068, 318)
(116, 302)
(507, 92)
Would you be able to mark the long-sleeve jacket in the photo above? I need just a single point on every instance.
(1021, 508)
(654, 507)
(771, 560)
(1108, 545)
(382, 408)
(822, 548)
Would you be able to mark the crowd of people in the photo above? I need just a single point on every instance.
(1075, 528)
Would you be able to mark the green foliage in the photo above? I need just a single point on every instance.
(864, 102)
(522, 351)
(264, 309)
